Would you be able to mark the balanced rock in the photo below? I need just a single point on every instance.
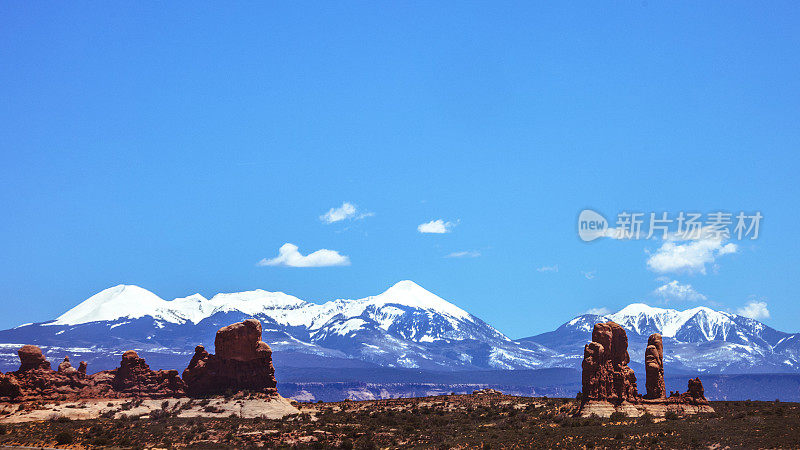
(654, 368)
(606, 375)
(242, 362)
(31, 358)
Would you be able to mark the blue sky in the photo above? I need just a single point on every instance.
(174, 146)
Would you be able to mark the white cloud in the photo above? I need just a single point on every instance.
(675, 291)
(599, 311)
(677, 255)
(344, 212)
(754, 310)
(464, 254)
(289, 256)
(589, 275)
(553, 268)
(437, 226)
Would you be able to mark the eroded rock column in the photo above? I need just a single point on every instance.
(654, 368)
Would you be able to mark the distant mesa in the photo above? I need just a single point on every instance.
(243, 362)
(609, 385)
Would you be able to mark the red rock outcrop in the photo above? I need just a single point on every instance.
(133, 378)
(609, 385)
(695, 394)
(654, 368)
(36, 380)
(242, 362)
(66, 368)
(606, 375)
(32, 358)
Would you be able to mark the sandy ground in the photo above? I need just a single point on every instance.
(270, 408)
(605, 409)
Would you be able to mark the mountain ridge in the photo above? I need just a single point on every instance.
(404, 326)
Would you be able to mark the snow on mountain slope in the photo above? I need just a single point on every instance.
(127, 301)
(644, 319)
(405, 326)
(697, 339)
(115, 303)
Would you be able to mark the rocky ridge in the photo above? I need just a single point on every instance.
(243, 362)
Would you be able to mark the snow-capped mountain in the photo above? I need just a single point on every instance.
(405, 326)
(695, 340)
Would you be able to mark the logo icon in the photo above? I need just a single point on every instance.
(591, 225)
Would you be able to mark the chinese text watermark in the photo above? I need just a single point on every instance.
(681, 226)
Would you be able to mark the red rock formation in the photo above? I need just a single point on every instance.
(133, 378)
(242, 362)
(9, 387)
(696, 389)
(32, 358)
(695, 395)
(35, 380)
(66, 368)
(82, 368)
(654, 368)
(607, 378)
(606, 375)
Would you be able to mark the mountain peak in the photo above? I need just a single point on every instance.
(409, 293)
(408, 286)
(123, 300)
(638, 308)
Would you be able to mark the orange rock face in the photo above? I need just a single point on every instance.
(606, 375)
(238, 341)
(654, 368)
(243, 362)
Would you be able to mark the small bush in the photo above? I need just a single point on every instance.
(618, 415)
(645, 419)
(64, 438)
(671, 415)
(100, 441)
(159, 414)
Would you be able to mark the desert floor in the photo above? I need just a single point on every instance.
(453, 421)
